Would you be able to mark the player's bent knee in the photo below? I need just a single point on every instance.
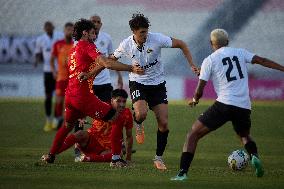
(192, 136)
(163, 129)
(163, 125)
(198, 132)
(163, 122)
(140, 116)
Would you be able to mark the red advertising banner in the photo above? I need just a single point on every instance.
(259, 89)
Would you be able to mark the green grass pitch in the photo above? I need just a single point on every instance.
(23, 141)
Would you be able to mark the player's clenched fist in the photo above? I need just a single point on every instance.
(137, 69)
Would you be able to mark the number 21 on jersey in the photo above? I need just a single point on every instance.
(228, 61)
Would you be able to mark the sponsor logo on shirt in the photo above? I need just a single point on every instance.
(149, 50)
(150, 65)
(102, 43)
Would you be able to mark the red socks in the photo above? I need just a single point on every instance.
(59, 138)
(68, 142)
(116, 139)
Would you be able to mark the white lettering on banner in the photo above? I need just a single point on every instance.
(24, 85)
(260, 89)
(10, 86)
(17, 49)
(31, 85)
(266, 93)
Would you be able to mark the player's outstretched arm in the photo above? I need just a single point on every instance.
(177, 43)
(267, 63)
(113, 57)
(116, 65)
(97, 69)
(103, 63)
(198, 93)
(93, 73)
(129, 144)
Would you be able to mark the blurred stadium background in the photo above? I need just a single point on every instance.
(257, 25)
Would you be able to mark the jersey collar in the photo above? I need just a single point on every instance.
(137, 47)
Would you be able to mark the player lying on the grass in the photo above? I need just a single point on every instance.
(84, 62)
(103, 139)
(227, 67)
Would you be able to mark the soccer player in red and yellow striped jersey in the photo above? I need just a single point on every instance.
(103, 140)
(60, 52)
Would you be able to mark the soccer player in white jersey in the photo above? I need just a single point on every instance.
(102, 83)
(227, 68)
(43, 48)
(144, 49)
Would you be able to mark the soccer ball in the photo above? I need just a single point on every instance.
(238, 160)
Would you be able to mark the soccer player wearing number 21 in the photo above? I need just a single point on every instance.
(227, 68)
(144, 48)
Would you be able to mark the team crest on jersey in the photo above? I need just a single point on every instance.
(102, 43)
(149, 50)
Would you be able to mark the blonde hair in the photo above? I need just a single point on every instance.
(219, 37)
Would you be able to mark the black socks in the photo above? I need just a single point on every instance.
(251, 148)
(185, 161)
(162, 140)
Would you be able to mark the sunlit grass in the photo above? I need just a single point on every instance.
(23, 141)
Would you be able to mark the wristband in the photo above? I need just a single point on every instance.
(194, 100)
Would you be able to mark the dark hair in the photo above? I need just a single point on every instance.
(80, 26)
(48, 23)
(68, 24)
(138, 21)
(119, 93)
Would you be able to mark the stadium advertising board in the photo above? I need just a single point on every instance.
(259, 89)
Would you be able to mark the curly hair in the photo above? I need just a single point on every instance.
(138, 21)
(80, 26)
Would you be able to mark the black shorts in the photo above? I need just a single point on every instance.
(103, 92)
(49, 82)
(218, 114)
(152, 94)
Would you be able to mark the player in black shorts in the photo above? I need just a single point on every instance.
(42, 54)
(152, 94)
(144, 48)
(219, 113)
(226, 67)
